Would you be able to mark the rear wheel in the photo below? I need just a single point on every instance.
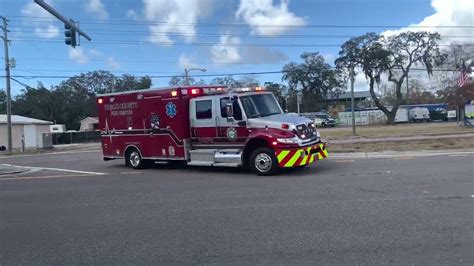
(263, 161)
(134, 159)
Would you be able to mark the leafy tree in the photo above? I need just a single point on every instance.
(314, 78)
(280, 91)
(3, 102)
(38, 102)
(394, 56)
(129, 82)
(74, 98)
(230, 82)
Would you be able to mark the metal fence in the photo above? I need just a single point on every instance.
(76, 137)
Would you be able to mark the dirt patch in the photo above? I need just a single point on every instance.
(396, 130)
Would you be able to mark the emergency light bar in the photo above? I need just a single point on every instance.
(203, 91)
(248, 89)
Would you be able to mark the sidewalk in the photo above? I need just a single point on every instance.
(356, 139)
(400, 154)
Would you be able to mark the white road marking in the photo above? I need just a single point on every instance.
(458, 155)
(42, 177)
(130, 173)
(54, 153)
(58, 169)
(345, 161)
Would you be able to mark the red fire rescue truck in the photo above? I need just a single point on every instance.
(208, 126)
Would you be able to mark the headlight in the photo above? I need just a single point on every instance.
(288, 140)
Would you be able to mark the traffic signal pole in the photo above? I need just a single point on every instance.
(69, 24)
(7, 80)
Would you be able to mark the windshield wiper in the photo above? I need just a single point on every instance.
(274, 113)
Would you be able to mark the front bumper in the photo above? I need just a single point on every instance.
(301, 156)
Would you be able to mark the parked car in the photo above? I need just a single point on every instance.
(419, 114)
(324, 120)
(439, 114)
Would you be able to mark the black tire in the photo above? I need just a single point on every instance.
(263, 162)
(323, 124)
(134, 159)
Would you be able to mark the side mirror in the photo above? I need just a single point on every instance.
(229, 110)
(242, 123)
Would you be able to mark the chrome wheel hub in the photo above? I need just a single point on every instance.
(135, 159)
(263, 162)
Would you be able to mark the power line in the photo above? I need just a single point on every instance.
(203, 75)
(203, 35)
(206, 24)
(116, 42)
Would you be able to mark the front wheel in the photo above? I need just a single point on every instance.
(134, 159)
(263, 161)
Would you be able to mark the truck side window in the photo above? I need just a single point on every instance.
(204, 109)
(235, 106)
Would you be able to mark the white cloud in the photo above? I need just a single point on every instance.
(229, 51)
(185, 61)
(78, 55)
(226, 51)
(112, 63)
(49, 32)
(97, 8)
(446, 13)
(176, 16)
(267, 19)
(131, 14)
(46, 28)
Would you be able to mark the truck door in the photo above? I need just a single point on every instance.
(231, 132)
(203, 121)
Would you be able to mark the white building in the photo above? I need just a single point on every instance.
(89, 124)
(24, 127)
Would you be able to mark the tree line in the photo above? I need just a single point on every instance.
(385, 61)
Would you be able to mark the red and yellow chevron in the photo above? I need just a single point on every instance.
(301, 156)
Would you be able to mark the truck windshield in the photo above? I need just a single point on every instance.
(260, 105)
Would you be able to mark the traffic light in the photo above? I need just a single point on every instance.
(70, 36)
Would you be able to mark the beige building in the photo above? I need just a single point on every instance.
(29, 129)
(89, 124)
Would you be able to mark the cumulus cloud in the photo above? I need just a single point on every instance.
(226, 51)
(78, 55)
(48, 32)
(96, 8)
(268, 19)
(112, 63)
(46, 28)
(83, 56)
(131, 14)
(446, 13)
(174, 16)
(229, 51)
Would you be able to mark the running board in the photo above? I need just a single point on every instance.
(215, 157)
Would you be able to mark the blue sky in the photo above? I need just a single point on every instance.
(162, 37)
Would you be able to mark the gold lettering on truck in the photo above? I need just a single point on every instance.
(121, 109)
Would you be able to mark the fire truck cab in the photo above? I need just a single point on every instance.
(206, 126)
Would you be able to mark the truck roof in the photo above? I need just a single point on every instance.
(164, 89)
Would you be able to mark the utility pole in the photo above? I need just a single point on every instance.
(186, 74)
(408, 102)
(7, 80)
(298, 101)
(352, 101)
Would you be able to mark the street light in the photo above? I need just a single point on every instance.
(186, 73)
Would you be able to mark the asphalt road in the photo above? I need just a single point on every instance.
(364, 211)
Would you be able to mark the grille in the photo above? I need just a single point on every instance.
(305, 131)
